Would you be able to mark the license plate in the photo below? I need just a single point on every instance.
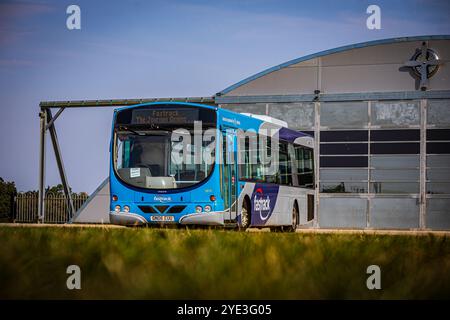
(162, 218)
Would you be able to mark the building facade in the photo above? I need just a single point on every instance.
(380, 115)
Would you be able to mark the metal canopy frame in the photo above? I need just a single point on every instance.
(47, 123)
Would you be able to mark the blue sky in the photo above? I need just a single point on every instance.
(144, 49)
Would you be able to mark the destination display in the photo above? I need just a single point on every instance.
(164, 116)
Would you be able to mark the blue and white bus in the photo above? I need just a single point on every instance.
(248, 170)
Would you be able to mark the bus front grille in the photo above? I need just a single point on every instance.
(176, 209)
(147, 209)
(162, 209)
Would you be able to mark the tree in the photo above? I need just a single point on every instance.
(57, 190)
(7, 193)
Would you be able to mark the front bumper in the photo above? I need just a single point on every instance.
(132, 219)
(126, 219)
(205, 218)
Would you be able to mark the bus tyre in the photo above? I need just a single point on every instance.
(245, 215)
(294, 220)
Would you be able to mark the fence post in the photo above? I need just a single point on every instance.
(14, 209)
(41, 207)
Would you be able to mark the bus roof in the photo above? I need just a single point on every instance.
(168, 102)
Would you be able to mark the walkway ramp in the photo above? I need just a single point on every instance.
(96, 207)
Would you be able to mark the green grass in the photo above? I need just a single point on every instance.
(216, 264)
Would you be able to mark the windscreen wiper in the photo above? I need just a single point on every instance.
(141, 133)
(131, 130)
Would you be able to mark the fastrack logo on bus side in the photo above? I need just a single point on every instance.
(262, 204)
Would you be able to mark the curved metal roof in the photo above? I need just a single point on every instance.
(331, 51)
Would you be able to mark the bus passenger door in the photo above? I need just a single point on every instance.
(229, 171)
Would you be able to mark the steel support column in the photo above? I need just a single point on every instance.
(59, 162)
(423, 165)
(50, 122)
(41, 206)
(316, 223)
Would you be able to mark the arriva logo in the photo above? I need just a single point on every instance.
(261, 204)
(161, 198)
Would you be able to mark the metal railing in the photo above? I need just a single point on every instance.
(26, 207)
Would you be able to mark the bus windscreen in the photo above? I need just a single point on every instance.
(155, 148)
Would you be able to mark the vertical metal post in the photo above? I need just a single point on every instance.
(369, 165)
(59, 162)
(316, 163)
(41, 206)
(319, 74)
(317, 145)
(423, 164)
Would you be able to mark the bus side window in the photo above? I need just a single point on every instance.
(309, 166)
(305, 166)
(285, 167)
(244, 159)
(225, 172)
(293, 163)
(221, 156)
(250, 165)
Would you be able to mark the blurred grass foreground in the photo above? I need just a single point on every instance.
(120, 263)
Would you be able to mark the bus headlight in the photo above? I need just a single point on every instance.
(207, 208)
(126, 209)
(198, 209)
(117, 208)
